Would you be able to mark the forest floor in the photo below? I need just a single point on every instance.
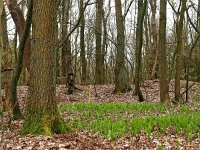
(80, 140)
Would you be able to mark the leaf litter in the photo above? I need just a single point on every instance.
(85, 140)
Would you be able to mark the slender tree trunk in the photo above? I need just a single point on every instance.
(24, 75)
(18, 18)
(139, 42)
(1, 50)
(148, 61)
(164, 87)
(104, 48)
(154, 33)
(105, 44)
(82, 44)
(179, 49)
(76, 52)
(66, 50)
(121, 84)
(197, 57)
(99, 48)
(7, 63)
(16, 110)
(15, 46)
(42, 116)
(65, 19)
(198, 14)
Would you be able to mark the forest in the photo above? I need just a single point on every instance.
(99, 74)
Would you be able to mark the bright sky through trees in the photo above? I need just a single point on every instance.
(129, 18)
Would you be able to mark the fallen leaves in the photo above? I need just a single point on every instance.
(10, 139)
(90, 141)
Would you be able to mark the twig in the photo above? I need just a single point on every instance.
(187, 89)
(129, 6)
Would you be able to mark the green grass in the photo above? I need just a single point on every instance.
(116, 120)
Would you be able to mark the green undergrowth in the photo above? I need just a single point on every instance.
(115, 120)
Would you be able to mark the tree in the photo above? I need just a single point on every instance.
(197, 58)
(1, 49)
(105, 43)
(7, 63)
(18, 18)
(179, 49)
(154, 34)
(99, 74)
(139, 42)
(65, 19)
(120, 70)
(18, 69)
(66, 50)
(164, 87)
(42, 116)
(82, 42)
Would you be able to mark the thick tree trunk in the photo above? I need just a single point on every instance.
(18, 18)
(121, 84)
(164, 87)
(42, 116)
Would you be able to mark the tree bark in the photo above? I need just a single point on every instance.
(154, 33)
(164, 87)
(82, 44)
(138, 52)
(16, 110)
(179, 49)
(8, 63)
(42, 116)
(1, 50)
(65, 19)
(105, 46)
(121, 84)
(66, 50)
(99, 49)
(18, 18)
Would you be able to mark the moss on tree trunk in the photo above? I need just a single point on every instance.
(44, 124)
(41, 115)
(16, 110)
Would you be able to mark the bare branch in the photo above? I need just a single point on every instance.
(171, 5)
(192, 24)
(77, 23)
(129, 6)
